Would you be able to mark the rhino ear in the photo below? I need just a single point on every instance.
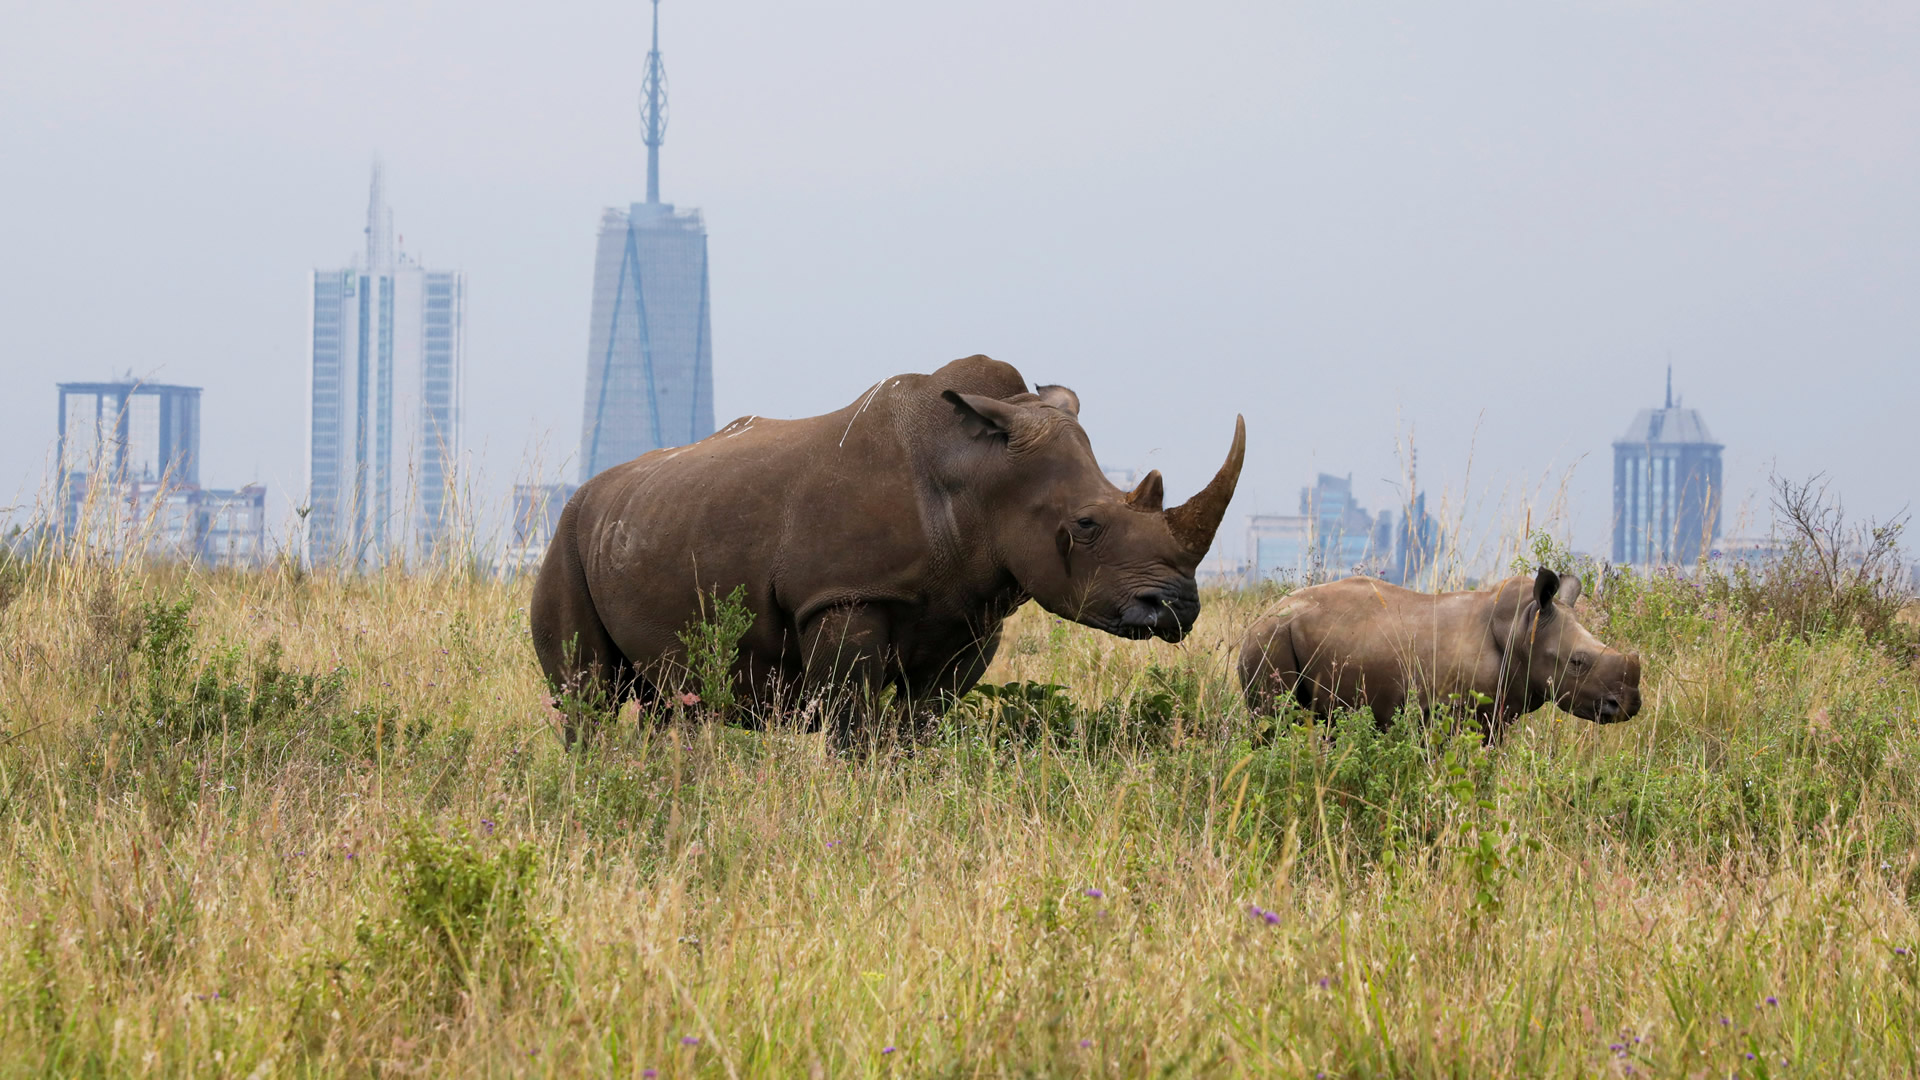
(1569, 594)
(983, 416)
(1546, 584)
(1060, 398)
(1151, 493)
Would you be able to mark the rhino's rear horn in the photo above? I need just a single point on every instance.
(1194, 522)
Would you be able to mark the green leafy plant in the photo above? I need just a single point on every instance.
(713, 645)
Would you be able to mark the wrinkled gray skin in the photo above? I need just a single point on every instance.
(1500, 652)
(880, 545)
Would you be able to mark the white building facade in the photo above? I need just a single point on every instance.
(386, 363)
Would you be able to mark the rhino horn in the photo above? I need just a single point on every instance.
(1194, 522)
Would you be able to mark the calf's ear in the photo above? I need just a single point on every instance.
(1569, 591)
(983, 415)
(1060, 398)
(1546, 583)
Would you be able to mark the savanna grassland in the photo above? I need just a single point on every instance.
(277, 824)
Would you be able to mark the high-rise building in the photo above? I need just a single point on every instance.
(1416, 545)
(129, 469)
(536, 516)
(116, 433)
(387, 356)
(1666, 487)
(1331, 537)
(650, 346)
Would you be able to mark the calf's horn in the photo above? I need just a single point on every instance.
(1194, 522)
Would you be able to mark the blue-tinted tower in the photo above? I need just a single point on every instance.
(650, 346)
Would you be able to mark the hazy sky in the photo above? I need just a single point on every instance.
(1487, 225)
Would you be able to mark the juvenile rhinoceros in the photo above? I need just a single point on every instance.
(883, 544)
(1499, 652)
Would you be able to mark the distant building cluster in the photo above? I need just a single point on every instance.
(1334, 537)
(128, 463)
(386, 376)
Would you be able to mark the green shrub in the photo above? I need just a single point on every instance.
(462, 917)
(713, 645)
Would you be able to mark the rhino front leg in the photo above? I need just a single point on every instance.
(845, 654)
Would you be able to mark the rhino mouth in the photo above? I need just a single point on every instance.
(1612, 708)
(1163, 613)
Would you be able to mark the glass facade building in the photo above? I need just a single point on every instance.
(116, 433)
(386, 360)
(1666, 488)
(1330, 538)
(650, 347)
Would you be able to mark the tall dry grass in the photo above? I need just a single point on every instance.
(272, 824)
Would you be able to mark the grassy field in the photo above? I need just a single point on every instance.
(267, 824)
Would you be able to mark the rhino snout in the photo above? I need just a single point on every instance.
(1619, 706)
(1163, 613)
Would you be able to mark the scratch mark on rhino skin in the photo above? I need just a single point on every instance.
(744, 426)
(864, 402)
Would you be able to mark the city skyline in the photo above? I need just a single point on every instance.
(1343, 222)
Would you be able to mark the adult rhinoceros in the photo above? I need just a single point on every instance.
(883, 544)
(1496, 653)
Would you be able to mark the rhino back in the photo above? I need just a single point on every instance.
(810, 513)
(1364, 632)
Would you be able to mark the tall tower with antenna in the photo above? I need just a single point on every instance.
(650, 343)
(653, 109)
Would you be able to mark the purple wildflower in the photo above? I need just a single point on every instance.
(1771, 1000)
(488, 825)
(649, 1074)
(1092, 892)
(1086, 1044)
(886, 1050)
(1899, 950)
(689, 1040)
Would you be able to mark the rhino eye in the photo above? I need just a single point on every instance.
(1085, 524)
(1086, 530)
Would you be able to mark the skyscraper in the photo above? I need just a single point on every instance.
(116, 433)
(384, 426)
(129, 470)
(1666, 487)
(650, 346)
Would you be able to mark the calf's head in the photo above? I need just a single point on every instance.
(1084, 549)
(1565, 664)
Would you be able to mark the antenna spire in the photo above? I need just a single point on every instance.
(379, 223)
(653, 109)
(1669, 372)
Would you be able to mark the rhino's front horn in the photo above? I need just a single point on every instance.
(1195, 521)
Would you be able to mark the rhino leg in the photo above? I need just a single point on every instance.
(844, 660)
